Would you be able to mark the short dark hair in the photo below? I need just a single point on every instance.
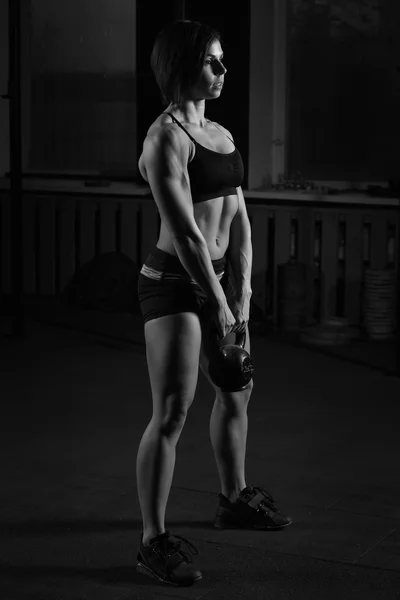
(178, 55)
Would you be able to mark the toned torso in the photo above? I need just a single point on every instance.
(213, 217)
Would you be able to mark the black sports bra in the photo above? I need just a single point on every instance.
(213, 174)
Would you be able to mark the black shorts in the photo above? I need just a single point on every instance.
(166, 288)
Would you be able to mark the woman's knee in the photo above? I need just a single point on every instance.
(171, 411)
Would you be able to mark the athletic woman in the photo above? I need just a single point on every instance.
(188, 300)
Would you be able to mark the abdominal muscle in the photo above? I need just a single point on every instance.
(213, 218)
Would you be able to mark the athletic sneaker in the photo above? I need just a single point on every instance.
(164, 560)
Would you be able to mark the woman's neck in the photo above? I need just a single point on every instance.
(191, 112)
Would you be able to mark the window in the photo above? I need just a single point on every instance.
(79, 69)
(344, 89)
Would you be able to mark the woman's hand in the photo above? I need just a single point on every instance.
(240, 307)
(224, 320)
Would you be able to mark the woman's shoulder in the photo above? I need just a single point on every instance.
(164, 136)
(163, 127)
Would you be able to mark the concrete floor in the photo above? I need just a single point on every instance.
(323, 439)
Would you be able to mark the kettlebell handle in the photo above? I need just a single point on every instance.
(240, 339)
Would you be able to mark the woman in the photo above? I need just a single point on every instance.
(187, 300)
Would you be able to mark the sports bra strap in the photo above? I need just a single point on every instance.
(193, 140)
(181, 126)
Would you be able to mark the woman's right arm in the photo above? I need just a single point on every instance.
(166, 157)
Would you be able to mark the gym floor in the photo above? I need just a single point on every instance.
(323, 440)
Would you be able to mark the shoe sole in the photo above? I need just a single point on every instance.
(145, 570)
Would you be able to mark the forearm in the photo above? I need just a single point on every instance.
(195, 257)
(241, 260)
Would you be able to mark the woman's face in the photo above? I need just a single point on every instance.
(210, 82)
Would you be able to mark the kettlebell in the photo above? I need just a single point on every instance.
(231, 367)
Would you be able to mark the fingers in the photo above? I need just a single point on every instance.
(240, 327)
(237, 328)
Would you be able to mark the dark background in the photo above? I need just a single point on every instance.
(90, 107)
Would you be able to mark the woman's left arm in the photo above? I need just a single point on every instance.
(240, 255)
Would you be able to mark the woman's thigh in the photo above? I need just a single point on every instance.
(172, 348)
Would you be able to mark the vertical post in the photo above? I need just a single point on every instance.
(15, 164)
(267, 104)
(260, 101)
(279, 138)
(26, 70)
